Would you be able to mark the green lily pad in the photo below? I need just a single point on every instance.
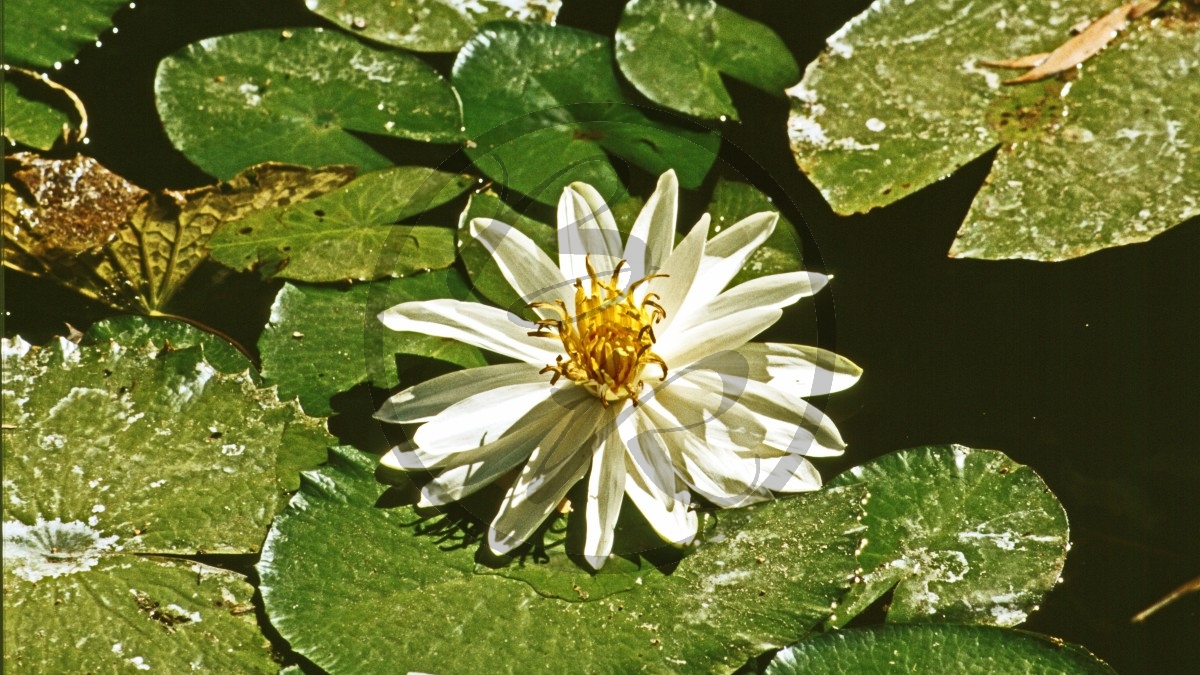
(85, 608)
(429, 25)
(45, 34)
(936, 649)
(348, 233)
(35, 114)
(963, 535)
(779, 254)
(764, 576)
(87, 228)
(543, 107)
(295, 96)
(901, 98)
(675, 51)
(321, 341)
(138, 330)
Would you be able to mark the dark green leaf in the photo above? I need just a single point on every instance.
(347, 233)
(936, 649)
(779, 254)
(322, 341)
(543, 107)
(765, 575)
(964, 536)
(42, 35)
(901, 99)
(674, 52)
(296, 96)
(34, 114)
(429, 25)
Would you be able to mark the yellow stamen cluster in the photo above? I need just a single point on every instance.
(607, 339)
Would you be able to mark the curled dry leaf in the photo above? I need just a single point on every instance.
(87, 228)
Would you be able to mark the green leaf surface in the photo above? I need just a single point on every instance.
(138, 330)
(675, 51)
(30, 118)
(964, 536)
(901, 99)
(779, 254)
(348, 233)
(544, 108)
(935, 649)
(296, 96)
(149, 444)
(41, 34)
(321, 340)
(429, 25)
(763, 577)
(93, 610)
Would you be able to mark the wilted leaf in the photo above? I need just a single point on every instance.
(779, 254)
(41, 34)
(543, 106)
(675, 51)
(322, 341)
(89, 229)
(901, 98)
(1079, 48)
(936, 649)
(964, 536)
(765, 575)
(348, 233)
(295, 96)
(429, 25)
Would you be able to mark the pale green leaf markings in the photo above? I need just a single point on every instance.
(674, 52)
(295, 96)
(765, 576)
(429, 25)
(1119, 167)
(40, 34)
(939, 648)
(779, 254)
(321, 340)
(349, 233)
(901, 99)
(128, 613)
(963, 535)
(543, 107)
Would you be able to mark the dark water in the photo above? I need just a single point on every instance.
(1086, 370)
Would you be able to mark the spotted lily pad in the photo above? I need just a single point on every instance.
(962, 535)
(429, 25)
(300, 96)
(764, 576)
(901, 98)
(937, 648)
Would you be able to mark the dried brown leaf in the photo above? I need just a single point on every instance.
(1081, 47)
(1020, 62)
(76, 222)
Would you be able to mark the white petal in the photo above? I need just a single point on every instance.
(484, 417)
(524, 265)
(489, 462)
(653, 234)
(650, 457)
(423, 401)
(558, 462)
(685, 347)
(586, 229)
(679, 271)
(776, 290)
(476, 324)
(676, 523)
(606, 489)
(799, 370)
(725, 256)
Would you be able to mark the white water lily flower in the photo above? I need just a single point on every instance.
(639, 373)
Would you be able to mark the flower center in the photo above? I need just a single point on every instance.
(608, 338)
